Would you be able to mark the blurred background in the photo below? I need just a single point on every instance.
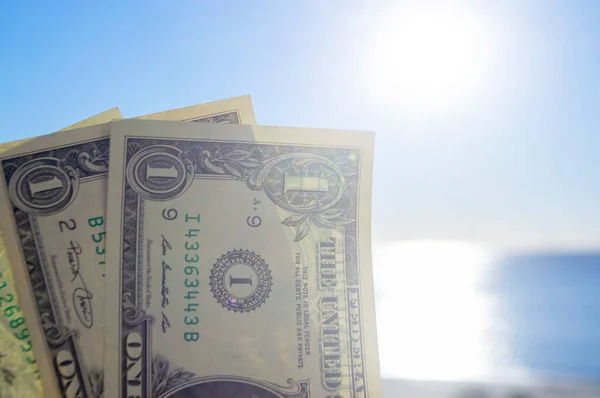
(486, 222)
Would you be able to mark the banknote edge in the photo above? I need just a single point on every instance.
(241, 104)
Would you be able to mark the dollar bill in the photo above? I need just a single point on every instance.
(53, 196)
(104, 117)
(19, 376)
(240, 111)
(239, 263)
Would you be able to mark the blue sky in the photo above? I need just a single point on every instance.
(508, 159)
(513, 165)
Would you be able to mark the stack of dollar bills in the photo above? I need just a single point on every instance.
(187, 253)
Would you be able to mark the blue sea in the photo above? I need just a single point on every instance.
(456, 311)
(551, 305)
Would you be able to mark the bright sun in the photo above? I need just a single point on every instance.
(426, 58)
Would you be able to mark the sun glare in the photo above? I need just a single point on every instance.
(425, 58)
(433, 321)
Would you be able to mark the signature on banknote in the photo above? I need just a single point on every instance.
(165, 245)
(165, 288)
(165, 323)
(82, 297)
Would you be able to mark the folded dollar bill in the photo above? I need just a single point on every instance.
(19, 375)
(203, 259)
(53, 215)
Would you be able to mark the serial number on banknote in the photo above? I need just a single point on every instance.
(16, 322)
(191, 283)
